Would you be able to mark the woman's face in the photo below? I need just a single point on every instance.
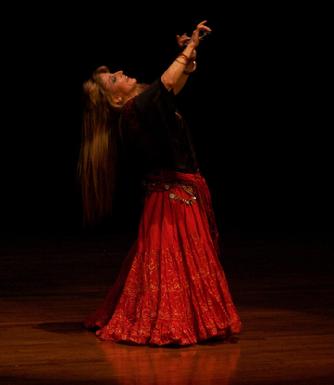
(118, 83)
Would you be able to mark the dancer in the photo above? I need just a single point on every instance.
(171, 288)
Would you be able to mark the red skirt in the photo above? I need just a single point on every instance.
(171, 288)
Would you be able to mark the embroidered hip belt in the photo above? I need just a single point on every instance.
(163, 186)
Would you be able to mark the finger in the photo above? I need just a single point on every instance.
(203, 34)
(202, 25)
(202, 22)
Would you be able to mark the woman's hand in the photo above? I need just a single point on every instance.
(182, 40)
(200, 31)
(174, 77)
(198, 34)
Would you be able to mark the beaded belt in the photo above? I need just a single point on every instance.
(163, 186)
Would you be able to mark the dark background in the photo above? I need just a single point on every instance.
(260, 107)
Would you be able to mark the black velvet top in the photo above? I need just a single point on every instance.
(154, 134)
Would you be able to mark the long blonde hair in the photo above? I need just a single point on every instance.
(97, 162)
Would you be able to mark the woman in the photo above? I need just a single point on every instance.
(171, 288)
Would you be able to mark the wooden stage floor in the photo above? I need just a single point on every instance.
(282, 286)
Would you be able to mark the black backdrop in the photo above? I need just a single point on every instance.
(260, 107)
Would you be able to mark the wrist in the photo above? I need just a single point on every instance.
(190, 51)
(191, 45)
(183, 59)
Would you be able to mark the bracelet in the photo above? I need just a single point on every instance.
(187, 59)
(181, 62)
